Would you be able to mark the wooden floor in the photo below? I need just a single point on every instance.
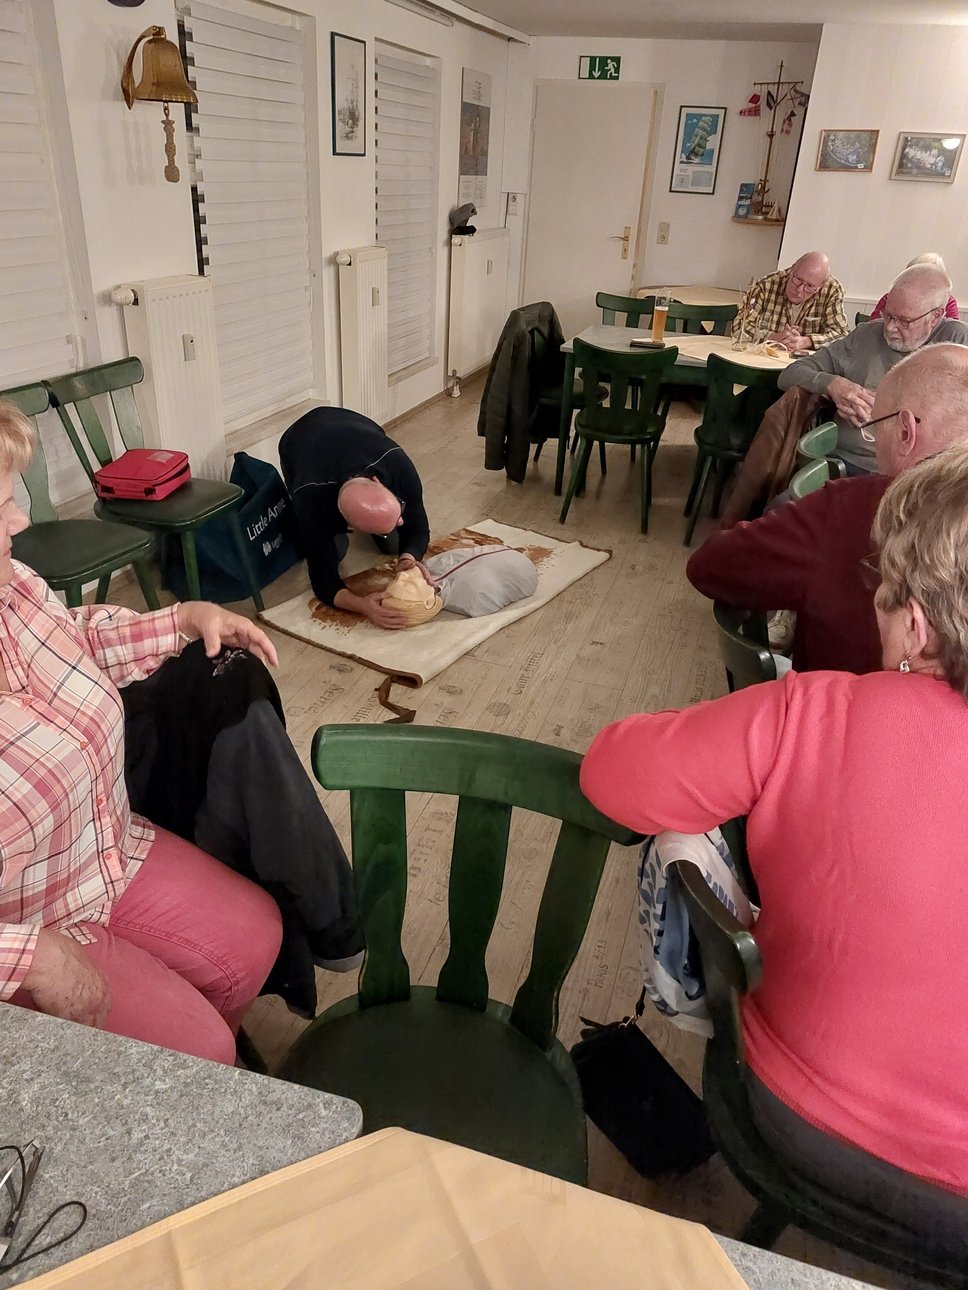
(631, 636)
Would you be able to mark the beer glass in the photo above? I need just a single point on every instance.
(660, 313)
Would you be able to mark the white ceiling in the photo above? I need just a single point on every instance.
(710, 19)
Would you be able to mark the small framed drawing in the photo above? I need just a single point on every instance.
(348, 79)
(847, 150)
(698, 139)
(930, 157)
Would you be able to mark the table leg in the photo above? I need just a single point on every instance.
(564, 427)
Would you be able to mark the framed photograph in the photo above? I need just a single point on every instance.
(699, 137)
(348, 78)
(932, 158)
(847, 150)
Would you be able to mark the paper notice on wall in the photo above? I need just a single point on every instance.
(475, 126)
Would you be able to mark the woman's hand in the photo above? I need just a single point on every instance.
(65, 983)
(217, 627)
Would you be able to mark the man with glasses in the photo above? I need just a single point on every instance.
(344, 472)
(808, 556)
(848, 371)
(801, 307)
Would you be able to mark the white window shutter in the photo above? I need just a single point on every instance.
(37, 306)
(407, 115)
(251, 176)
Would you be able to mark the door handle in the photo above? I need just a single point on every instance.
(624, 238)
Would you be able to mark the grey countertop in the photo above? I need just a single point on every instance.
(137, 1133)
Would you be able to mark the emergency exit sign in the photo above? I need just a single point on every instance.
(599, 67)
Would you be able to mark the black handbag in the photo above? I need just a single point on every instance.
(637, 1100)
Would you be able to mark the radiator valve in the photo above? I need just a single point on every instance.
(455, 387)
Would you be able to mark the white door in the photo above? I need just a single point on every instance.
(587, 167)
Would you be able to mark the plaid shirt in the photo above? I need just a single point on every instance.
(69, 844)
(821, 317)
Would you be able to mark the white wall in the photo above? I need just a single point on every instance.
(892, 79)
(704, 246)
(138, 225)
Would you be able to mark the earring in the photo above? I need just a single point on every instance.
(904, 665)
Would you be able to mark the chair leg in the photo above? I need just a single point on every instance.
(766, 1226)
(697, 506)
(142, 569)
(632, 453)
(694, 486)
(247, 1051)
(74, 594)
(722, 474)
(191, 565)
(537, 448)
(601, 457)
(236, 526)
(577, 471)
(646, 488)
(101, 595)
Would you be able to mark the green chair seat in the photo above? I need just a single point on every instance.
(69, 553)
(192, 504)
(744, 646)
(820, 444)
(452, 1073)
(181, 513)
(809, 478)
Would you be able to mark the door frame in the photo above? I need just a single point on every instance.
(645, 198)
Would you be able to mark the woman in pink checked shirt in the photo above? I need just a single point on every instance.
(104, 919)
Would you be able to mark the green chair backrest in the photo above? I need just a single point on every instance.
(809, 478)
(818, 443)
(731, 962)
(79, 389)
(32, 400)
(690, 318)
(730, 419)
(648, 368)
(743, 646)
(490, 774)
(861, 318)
(635, 308)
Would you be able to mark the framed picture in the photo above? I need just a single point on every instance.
(698, 139)
(932, 158)
(348, 78)
(847, 150)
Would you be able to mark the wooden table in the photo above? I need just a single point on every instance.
(693, 353)
(697, 295)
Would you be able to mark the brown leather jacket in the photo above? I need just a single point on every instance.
(770, 462)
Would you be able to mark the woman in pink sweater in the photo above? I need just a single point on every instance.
(856, 793)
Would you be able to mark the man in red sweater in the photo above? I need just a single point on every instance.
(806, 556)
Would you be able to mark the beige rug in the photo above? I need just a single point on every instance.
(416, 654)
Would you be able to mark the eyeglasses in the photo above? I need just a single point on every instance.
(907, 322)
(15, 1184)
(807, 286)
(864, 429)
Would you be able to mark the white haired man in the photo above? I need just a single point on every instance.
(849, 371)
(808, 555)
(801, 307)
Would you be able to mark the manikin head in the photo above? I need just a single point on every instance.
(368, 506)
(807, 275)
(412, 595)
(923, 401)
(915, 305)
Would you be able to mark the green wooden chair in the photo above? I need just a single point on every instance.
(616, 422)
(69, 553)
(693, 320)
(744, 646)
(632, 308)
(448, 1061)
(821, 443)
(730, 421)
(178, 515)
(546, 380)
(809, 478)
(861, 318)
(732, 967)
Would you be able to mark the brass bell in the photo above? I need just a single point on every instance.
(163, 80)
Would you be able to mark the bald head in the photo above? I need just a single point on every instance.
(369, 507)
(932, 386)
(807, 275)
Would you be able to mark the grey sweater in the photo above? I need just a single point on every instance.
(863, 356)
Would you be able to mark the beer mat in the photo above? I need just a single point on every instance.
(415, 654)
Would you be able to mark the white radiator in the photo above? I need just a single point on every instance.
(478, 298)
(363, 329)
(169, 324)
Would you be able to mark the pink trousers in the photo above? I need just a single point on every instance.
(186, 950)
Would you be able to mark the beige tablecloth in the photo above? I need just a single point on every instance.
(397, 1211)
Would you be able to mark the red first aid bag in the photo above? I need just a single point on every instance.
(142, 474)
